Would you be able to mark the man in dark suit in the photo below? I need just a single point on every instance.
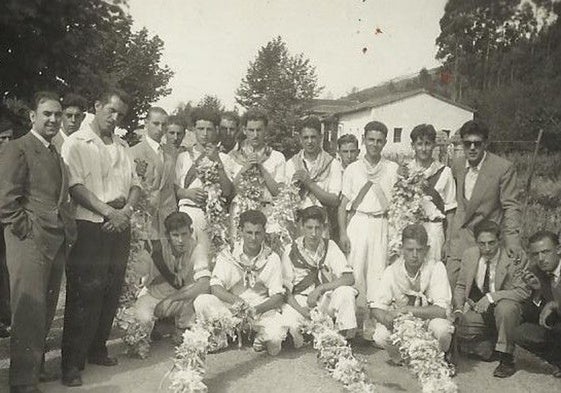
(485, 190)
(540, 332)
(487, 299)
(39, 231)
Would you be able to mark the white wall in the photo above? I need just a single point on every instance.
(406, 114)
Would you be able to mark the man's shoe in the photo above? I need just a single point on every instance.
(25, 389)
(45, 376)
(103, 361)
(505, 369)
(71, 378)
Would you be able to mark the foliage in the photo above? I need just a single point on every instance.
(278, 83)
(83, 47)
(211, 103)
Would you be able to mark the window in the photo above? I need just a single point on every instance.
(397, 135)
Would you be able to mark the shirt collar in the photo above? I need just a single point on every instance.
(478, 167)
(41, 139)
(557, 272)
(153, 144)
(62, 134)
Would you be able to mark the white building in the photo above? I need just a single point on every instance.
(401, 112)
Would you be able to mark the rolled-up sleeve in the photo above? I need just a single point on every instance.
(74, 160)
(272, 275)
(439, 289)
(383, 295)
(220, 273)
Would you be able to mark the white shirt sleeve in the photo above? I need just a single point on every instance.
(337, 261)
(383, 294)
(347, 184)
(335, 177)
(73, 159)
(181, 168)
(448, 190)
(221, 273)
(289, 171)
(200, 262)
(272, 275)
(439, 288)
(278, 171)
(287, 269)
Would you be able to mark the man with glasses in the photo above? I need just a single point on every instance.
(486, 190)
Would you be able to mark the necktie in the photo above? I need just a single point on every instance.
(53, 151)
(487, 278)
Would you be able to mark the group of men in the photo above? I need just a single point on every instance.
(67, 195)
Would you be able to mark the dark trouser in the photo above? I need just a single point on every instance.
(35, 285)
(545, 343)
(5, 314)
(95, 274)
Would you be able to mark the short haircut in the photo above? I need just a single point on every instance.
(542, 235)
(255, 217)
(155, 109)
(106, 96)
(230, 115)
(177, 220)
(423, 131)
(177, 121)
(42, 96)
(415, 232)
(312, 122)
(347, 138)
(74, 100)
(474, 127)
(255, 114)
(202, 113)
(312, 213)
(487, 226)
(376, 126)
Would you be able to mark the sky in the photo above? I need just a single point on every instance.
(210, 43)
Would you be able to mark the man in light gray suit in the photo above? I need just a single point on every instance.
(39, 231)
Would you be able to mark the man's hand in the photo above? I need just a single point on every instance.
(302, 176)
(345, 243)
(469, 305)
(197, 195)
(387, 319)
(513, 249)
(549, 309)
(252, 160)
(211, 151)
(314, 296)
(117, 221)
(161, 308)
(482, 305)
(531, 280)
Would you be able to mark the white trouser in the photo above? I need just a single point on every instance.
(197, 215)
(435, 232)
(268, 326)
(368, 256)
(440, 328)
(182, 311)
(339, 304)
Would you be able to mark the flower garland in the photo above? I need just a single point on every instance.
(421, 353)
(406, 205)
(216, 213)
(249, 196)
(281, 224)
(336, 355)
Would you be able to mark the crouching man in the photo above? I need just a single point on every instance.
(413, 284)
(316, 273)
(177, 272)
(250, 273)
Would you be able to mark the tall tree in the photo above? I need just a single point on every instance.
(212, 103)
(279, 83)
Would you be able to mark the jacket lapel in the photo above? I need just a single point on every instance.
(472, 273)
(478, 189)
(502, 269)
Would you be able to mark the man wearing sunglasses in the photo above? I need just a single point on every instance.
(486, 190)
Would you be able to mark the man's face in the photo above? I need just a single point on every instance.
(474, 148)
(414, 253)
(544, 254)
(255, 133)
(228, 128)
(5, 137)
(423, 148)
(156, 125)
(348, 153)
(488, 244)
(109, 115)
(311, 140)
(175, 134)
(312, 230)
(179, 239)
(252, 236)
(72, 118)
(46, 119)
(374, 142)
(205, 132)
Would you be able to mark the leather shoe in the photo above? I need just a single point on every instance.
(71, 378)
(103, 361)
(505, 369)
(25, 389)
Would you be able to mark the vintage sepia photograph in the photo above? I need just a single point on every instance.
(280, 196)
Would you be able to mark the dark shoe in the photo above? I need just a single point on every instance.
(71, 378)
(505, 369)
(103, 361)
(45, 376)
(25, 389)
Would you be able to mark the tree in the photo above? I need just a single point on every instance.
(83, 47)
(279, 83)
(212, 103)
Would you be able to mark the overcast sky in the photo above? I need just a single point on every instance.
(209, 43)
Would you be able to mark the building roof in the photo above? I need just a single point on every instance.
(399, 96)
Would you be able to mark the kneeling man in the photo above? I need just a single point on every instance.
(316, 273)
(250, 273)
(487, 299)
(413, 284)
(177, 273)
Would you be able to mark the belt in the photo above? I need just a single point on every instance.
(435, 220)
(374, 215)
(189, 205)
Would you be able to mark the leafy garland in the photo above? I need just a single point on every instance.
(282, 221)
(406, 205)
(421, 353)
(249, 195)
(336, 355)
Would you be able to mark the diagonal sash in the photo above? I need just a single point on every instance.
(429, 190)
(358, 200)
(192, 172)
(313, 276)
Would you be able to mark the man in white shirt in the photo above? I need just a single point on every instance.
(413, 284)
(73, 113)
(347, 149)
(250, 273)
(487, 299)
(316, 273)
(229, 131)
(189, 187)
(363, 222)
(440, 189)
(105, 188)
